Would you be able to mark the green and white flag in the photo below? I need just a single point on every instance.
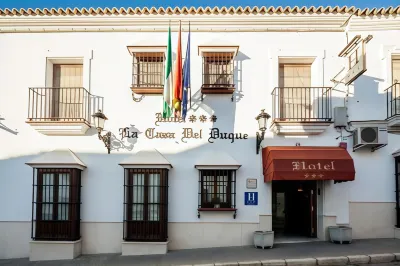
(167, 99)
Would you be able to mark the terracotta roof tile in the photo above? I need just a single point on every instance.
(199, 11)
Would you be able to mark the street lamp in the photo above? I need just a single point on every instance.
(262, 119)
(99, 120)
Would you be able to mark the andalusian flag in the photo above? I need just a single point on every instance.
(167, 99)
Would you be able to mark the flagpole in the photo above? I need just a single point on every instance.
(190, 85)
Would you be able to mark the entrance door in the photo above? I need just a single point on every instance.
(294, 211)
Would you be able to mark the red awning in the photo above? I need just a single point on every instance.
(307, 163)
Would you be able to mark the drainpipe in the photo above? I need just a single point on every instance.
(90, 70)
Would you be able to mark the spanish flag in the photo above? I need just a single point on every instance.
(178, 77)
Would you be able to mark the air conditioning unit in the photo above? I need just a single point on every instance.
(370, 137)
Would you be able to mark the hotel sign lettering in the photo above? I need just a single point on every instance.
(187, 132)
(313, 170)
(301, 165)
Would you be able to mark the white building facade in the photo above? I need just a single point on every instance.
(327, 77)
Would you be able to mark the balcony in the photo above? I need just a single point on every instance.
(61, 111)
(393, 108)
(301, 110)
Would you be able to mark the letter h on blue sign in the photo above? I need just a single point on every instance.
(251, 198)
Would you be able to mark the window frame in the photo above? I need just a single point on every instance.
(230, 194)
(397, 190)
(214, 64)
(56, 229)
(293, 107)
(145, 229)
(146, 55)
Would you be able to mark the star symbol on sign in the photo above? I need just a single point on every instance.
(203, 118)
(313, 175)
(306, 175)
(321, 176)
(192, 118)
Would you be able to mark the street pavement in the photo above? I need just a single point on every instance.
(385, 264)
(229, 254)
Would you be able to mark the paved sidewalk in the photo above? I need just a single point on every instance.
(229, 254)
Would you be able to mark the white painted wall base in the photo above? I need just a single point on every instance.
(372, 219)
(144, 248)
(397, 233)
(265, 222)
(326, 222)
(211, 234)
(54, 250)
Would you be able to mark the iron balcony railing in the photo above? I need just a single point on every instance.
(393, 100)
(54, 104)
(303, 104)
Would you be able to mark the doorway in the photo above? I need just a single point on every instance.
(294, 208)
(67, 93)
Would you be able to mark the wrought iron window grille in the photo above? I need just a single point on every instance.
(218, 73)
(56, 201)
(217, 191)
(147, 73)
(145, 205)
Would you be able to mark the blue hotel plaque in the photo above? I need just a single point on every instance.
(251, 198)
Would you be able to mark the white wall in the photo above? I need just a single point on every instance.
(23, 65)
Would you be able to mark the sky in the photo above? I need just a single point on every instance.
(196, 3)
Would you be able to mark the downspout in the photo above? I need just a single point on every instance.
(91, 105)
(90, 70)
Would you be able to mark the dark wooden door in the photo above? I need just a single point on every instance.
(313, 210)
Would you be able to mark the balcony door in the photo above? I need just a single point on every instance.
(67, 93)
(295, 100)
(396, 70)
(396, 85)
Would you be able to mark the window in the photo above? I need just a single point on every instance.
(56, 204)
(217, 189)
(295, 95)
(146, 204)
(218, 72)
(148, 72)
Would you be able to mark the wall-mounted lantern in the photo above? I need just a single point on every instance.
(99, 120)
(262, 119)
